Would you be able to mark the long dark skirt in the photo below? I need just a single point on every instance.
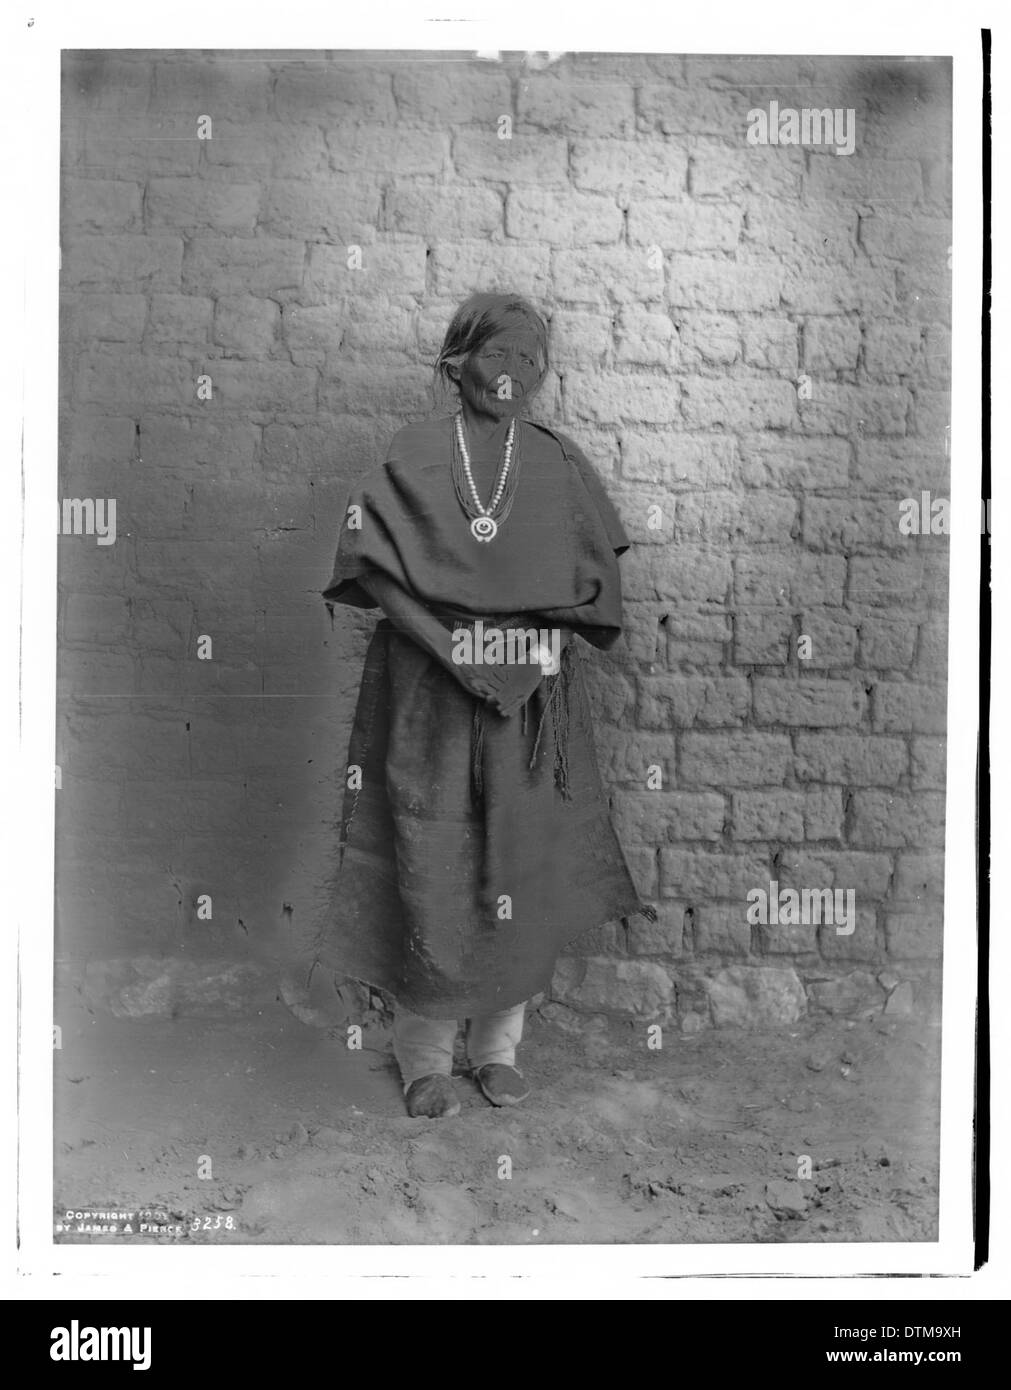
(476, 846)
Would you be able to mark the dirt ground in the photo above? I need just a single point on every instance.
(308, 1142)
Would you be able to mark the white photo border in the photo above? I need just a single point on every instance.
(254, 1271)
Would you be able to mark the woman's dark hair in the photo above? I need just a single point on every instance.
(479, 318)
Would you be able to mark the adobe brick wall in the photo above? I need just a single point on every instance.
(752, 343)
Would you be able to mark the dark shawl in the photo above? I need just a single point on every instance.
(427, 853)
(554, 556)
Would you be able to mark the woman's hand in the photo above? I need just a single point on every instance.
(515, 686)
(518, 683)
(505, 688)
(478, 681)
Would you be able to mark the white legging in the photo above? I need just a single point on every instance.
(425, 1045)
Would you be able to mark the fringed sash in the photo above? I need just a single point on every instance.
(556, 707)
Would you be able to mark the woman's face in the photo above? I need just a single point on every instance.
(500, 375)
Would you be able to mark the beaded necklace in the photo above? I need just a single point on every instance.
(485, 524)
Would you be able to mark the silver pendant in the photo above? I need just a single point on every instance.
(484, 528)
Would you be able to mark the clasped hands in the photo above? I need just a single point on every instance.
(505, 688)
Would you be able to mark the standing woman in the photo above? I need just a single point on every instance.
(475, 837)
